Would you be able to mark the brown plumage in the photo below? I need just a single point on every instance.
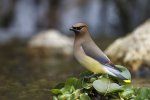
(83, 39)
(90, 55)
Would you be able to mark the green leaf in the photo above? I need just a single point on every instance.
(92, 79)
(59, 86)
(79, 84)
(82, 84)
(72, 89)
(127, 86)
(84, 97)
(105, 86)
(56, 91)
(72, 97)
(55, 98)
(64, 96)
(71, 82)
(68, 90)
(86, 73)
(126, 94)
(75, 95)
(143, 94)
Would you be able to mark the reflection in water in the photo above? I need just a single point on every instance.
(23, 78)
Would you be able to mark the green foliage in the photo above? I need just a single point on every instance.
(98, 87)
(105, 85)
(142, 94)
(72, 90)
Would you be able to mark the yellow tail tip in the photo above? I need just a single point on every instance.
(127, 81)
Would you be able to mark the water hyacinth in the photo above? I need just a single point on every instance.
(98, 87)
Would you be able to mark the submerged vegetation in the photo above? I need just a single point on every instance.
(98, 87)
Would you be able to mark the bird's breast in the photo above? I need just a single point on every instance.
(88, 62)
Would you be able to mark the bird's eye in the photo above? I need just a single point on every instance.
(78, 28)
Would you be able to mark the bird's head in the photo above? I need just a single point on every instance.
(79, 28)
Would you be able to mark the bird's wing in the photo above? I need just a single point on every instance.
(92, 50)
(103, 59)
(96, 53)
(94, 65)
(88, 62)
(99, 56)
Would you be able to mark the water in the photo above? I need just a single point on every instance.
(25, 78)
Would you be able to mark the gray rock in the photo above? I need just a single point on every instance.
(132, 50)
(51, 44)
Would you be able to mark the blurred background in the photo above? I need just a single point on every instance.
(36, 45)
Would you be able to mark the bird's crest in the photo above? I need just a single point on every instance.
(79, 25)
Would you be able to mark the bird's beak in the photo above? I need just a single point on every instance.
(74, 30)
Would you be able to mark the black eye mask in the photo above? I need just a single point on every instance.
(77, 28)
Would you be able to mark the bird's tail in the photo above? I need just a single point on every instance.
(127, 81)
(123, 78)
(117, 74)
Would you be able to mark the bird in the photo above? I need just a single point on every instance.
(91, 56)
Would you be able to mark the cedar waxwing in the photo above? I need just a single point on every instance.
(90, 56)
